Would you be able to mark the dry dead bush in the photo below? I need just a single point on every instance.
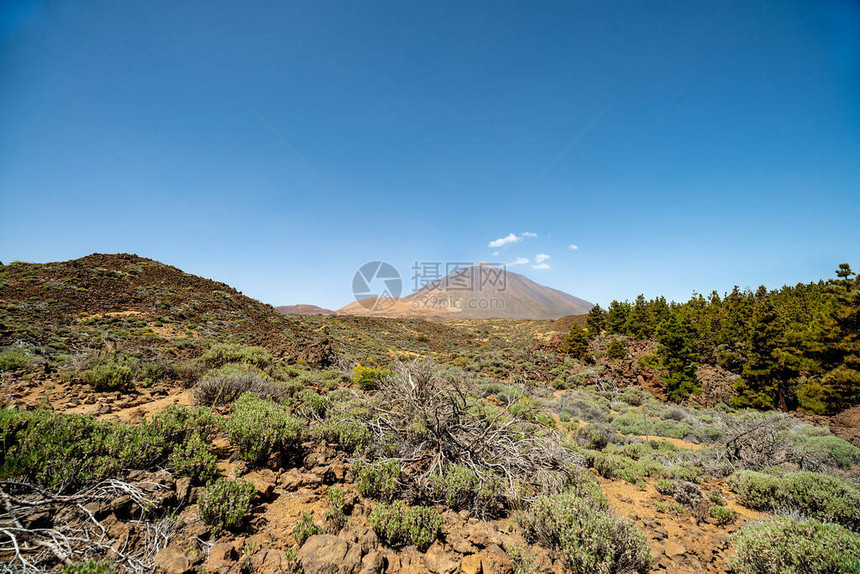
(222, 389)
(433, 424)
(39, 529)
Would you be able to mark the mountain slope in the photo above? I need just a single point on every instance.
(100, 298)
(302, 309)
(477, 292)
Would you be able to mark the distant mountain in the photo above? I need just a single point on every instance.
(304, 310)
(477, 292)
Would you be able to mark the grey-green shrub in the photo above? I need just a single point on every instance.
(589, 539)
(259, 427)
(815, 495)
(783, 545)
(399, 526)
(225, 504)
(221, 354)
(380, 479)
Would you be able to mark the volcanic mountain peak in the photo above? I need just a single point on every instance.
(477, 292)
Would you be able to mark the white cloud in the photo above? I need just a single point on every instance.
(573, 247)
(510, 238)
(495, 253)
(502, 241)
(518, 261)
(541, 266)
(541, 257)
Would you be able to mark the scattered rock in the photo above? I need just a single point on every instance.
(221, 557)
(673, 548)
(172, 561)
(440, 561)
(471, 564)
(326, 554)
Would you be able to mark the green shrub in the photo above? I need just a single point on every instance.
(63, 452)
(664, 486)
(816, 495)
(221, 354)
(669, 508)
(225, 503)
(721, 514)
(783, 545)
(593, 437)
(458, 487)
(377, 480)
(349, 433)
(590, 540)
(193, 458)
(398, 526)
(114, 374)
(305, 528)
(816, 451)
(312, 403)
(91, 567)
(13, 358)
(335, 517)
(259, 427)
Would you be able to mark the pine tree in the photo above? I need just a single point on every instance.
(842, 363)
(596, 321)
(678, 360)
(766, 376)
(575, 343)
(616, 317)
(639, 322)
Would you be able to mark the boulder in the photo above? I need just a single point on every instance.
(172, 561)
(327, 554)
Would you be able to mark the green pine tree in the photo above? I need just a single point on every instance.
(678, 360)
(596, 321)
(575, 343)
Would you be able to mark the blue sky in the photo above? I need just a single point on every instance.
(724, 140)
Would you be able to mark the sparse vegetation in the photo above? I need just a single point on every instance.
(398, 525)
(258, 427)
(225, 503)
(783, 545)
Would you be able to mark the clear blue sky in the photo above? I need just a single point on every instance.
(726, 148)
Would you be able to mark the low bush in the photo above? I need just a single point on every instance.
(380, 479)
(64, 452)
(92, 567)
(335, 516)
(221, 354)
(222, 389)
(225, 504)
(259, 427)
(687, 494)
(669, 508)
(664, 486)
(721, 514)
(398, 526)
(816, 495)
(114, 374)
(817, 452)
(368, 377)
(458, 487)
(783, 545)
(304, 528)
(349, 433)
(589, 539)
(13, 358)
(593, 437)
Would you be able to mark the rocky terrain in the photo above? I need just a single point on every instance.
(157, 421)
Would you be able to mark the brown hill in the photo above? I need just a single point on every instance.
(111, 298)
(477, 292)
(302, 309)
